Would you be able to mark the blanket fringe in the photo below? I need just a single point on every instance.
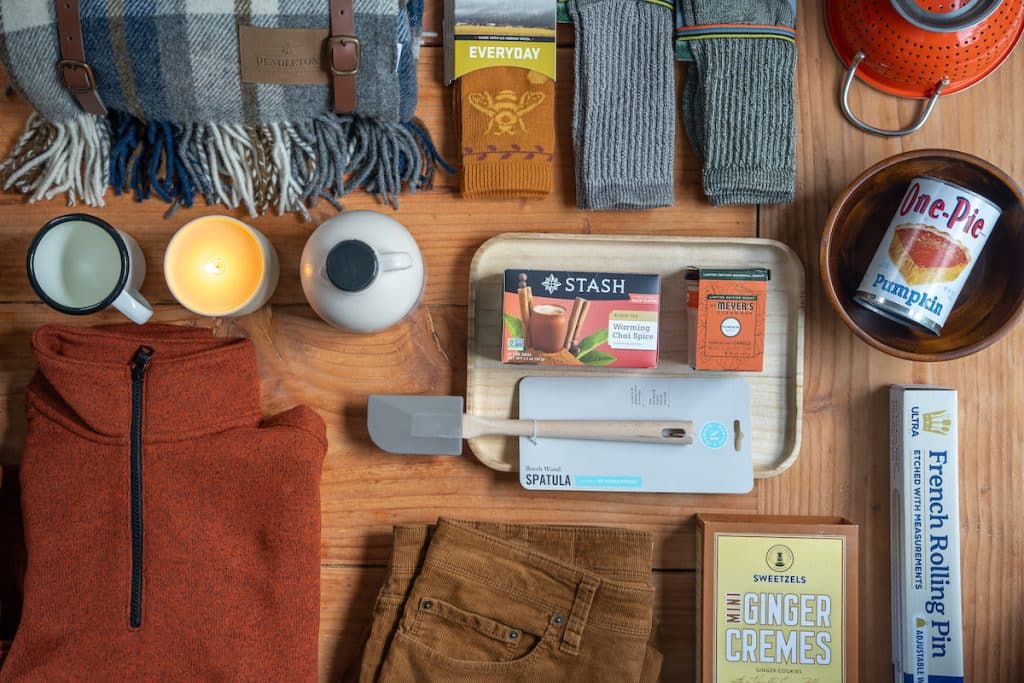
(280, 167)
(53, 158)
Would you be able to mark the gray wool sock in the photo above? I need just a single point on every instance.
(623, 114)
(739, 107)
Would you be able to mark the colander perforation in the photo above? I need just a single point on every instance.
(903, 59)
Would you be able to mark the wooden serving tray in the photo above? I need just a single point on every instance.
(776, 393)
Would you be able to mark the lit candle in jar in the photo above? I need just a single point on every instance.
(220, 267)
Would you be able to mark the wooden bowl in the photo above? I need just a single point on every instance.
(992, 299)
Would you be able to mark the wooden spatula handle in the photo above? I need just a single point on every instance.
(677, 432)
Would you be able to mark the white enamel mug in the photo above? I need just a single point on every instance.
(79, 264)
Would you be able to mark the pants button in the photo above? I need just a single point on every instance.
(427, 604)
(513, 635)
(558, 620)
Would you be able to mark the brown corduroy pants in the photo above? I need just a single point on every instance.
(467, 602)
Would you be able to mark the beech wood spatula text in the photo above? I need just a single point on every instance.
(436, 425)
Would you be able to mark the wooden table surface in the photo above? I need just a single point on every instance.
(843, 465)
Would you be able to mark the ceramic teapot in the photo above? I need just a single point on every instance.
(362, 271)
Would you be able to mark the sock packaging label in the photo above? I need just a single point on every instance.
(482, 35)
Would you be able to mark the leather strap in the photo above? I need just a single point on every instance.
(72, 70)
(344, 52)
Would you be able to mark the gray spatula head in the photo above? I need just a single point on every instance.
(418, 425)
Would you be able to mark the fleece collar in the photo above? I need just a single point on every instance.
(195, 383)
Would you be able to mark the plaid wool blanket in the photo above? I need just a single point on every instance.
(182, 123)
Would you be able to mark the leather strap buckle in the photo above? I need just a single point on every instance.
(343, 41)
(75, 65)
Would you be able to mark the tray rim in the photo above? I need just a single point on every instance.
(787, 461)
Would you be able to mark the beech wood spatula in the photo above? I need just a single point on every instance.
(436, 425)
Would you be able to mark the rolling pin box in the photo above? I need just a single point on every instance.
(927, 635)
(777, 599)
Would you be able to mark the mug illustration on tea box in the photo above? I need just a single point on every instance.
(549, 324)
(79, 264)
(580, 319)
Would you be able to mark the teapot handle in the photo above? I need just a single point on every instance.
(395, 261)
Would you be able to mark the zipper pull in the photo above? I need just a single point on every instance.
(140, 361)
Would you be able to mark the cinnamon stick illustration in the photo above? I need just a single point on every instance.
(525, 308)
(574, 346)
(579, 315)
(574, 318)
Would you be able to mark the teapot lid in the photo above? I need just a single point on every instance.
(352, 265)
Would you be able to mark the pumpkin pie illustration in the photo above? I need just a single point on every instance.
(924, 255)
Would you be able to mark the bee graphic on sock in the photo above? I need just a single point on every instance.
(506, 109)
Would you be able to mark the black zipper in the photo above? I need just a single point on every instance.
(139, 364)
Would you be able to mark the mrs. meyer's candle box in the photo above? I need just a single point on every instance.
(927, 638)
(777, 599)
(726, 310)
(576, 318)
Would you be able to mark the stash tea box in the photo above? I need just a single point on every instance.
(726, 318)
(777, 599)
(927, 635)
(573, 318)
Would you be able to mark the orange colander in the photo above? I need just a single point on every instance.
(920, 48)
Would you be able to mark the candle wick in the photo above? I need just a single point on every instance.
(214, 268)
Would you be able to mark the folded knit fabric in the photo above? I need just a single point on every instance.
(739, 105)
(183, 123)
(623, 106)
(506, 119)
(172, 533)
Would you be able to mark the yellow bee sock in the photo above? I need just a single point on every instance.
(506, 119)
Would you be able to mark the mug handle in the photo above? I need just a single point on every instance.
(133, 305)
(395, 261)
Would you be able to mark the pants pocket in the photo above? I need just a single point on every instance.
(466, 635)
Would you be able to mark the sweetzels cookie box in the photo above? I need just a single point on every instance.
(777, 599)
(927, 636)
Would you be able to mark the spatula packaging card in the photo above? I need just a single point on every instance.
(718, 460)
(927, 637)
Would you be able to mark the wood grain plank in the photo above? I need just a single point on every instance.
(347, 595)
(844, 466)
(448, 228)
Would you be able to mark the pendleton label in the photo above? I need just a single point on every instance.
(286, 56)
(779, 607)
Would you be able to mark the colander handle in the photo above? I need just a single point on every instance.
(844, 101)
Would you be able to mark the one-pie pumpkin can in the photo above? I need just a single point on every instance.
(927, 253)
